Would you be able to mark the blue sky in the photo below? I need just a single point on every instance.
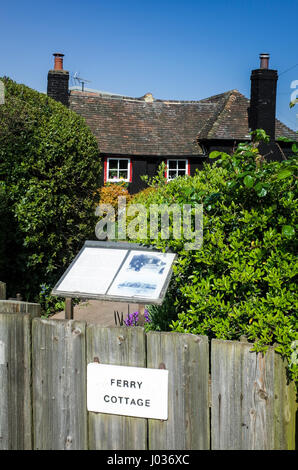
(185, 50)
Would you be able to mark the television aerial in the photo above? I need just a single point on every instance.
(79, 81)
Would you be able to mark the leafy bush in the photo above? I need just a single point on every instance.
(243, 280)
(162, 315)
(49, 174)
(143, 195)
(49, 304)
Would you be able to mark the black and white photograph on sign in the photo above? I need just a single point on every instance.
(147, 261)
(142, 275)
(93, 271)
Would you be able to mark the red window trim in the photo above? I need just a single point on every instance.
(105, 169)
(106, 180)
(130, 171)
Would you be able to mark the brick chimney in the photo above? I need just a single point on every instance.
(58, 80)
(263, 97)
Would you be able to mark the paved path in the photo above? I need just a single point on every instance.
(97, 311)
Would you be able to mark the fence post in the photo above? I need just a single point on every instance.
(16, 306)
(285, 407)
(15, 382)
(59, 384)
(2, 290)
(252, 406)
(186, 357)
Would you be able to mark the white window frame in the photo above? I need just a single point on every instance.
(176, 160)
(118, 179)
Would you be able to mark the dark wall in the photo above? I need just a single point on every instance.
(196, 163)
(227, 146)
(273, 151)
(139, 168)
(148, 165)
(58, 86)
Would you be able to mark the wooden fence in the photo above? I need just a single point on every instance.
(2, 290)
(220, 397)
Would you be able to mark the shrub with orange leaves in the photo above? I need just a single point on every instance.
(110, 192)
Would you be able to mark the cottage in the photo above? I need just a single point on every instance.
(136, 134)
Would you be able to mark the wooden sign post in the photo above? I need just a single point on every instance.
(68, 308)
(141, 314)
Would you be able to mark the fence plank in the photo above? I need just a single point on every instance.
(124, 347)
(59, 384)
(285, 407)
(15, 378)
(2, 290)
(15, 306)
(244, 397)
(186, 357)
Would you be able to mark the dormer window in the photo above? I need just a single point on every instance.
(117, 170)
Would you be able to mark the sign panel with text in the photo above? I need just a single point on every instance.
(128, 391)
(121, 272)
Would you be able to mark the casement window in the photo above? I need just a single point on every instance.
(117, 169)
(174, 168)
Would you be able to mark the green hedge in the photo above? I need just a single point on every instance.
(243, 280)
(49, 172)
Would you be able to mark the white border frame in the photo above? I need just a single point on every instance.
(118, 180)
(177, 160)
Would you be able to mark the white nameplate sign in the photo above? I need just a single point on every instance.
(129, 391)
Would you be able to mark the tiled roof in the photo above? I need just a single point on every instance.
(145, 126)
(231, 122)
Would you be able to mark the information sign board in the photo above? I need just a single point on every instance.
(117, 271)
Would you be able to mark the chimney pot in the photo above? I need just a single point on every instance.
(264, 61)
(58, 64)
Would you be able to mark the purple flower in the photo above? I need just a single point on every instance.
(147, 317)
(133, 318)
